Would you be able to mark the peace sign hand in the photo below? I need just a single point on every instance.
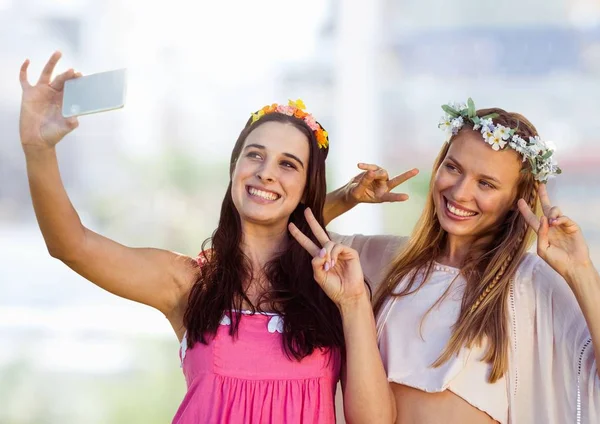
(336, 267)
(559, 239)
(374, 185)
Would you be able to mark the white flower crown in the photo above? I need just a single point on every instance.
(536, 151)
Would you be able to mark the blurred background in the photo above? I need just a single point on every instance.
(153, 174)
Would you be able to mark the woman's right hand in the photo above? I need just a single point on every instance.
(41, 124)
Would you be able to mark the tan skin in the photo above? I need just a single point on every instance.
(477, 179)
(274, 161)
(464, 179)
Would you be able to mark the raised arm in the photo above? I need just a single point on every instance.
(562, 246)
(372, 185)
(154, 277)
(367, 394)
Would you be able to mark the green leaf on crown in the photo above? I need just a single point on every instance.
(450, 111)
(471, 109)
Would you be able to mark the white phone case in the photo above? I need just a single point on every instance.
(95, 93)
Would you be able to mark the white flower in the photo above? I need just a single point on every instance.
(502, 132)
(457, 106)
(496, 142)
(476, 127)
(444, 123)
(541, 145)
(225, 320)
(487, 122)
(457, 124)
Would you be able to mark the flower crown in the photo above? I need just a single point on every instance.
(296, 108)
(536, 151)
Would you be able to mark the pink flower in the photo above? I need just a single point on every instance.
(285, 109)
(312, 124)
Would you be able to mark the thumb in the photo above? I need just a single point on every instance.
(363, 184)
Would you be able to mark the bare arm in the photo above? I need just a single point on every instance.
(368, 397)
(154, 277)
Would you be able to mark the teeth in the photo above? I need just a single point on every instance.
(264, 194)
(458, 212)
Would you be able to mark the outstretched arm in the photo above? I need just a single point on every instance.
(154, 277)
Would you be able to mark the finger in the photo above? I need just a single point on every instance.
(328, 248)
(381, 175)
(317, 230)
(46, 74)
(553, 213)
(544, 199)
(394, 197)
(368, 166)
(23, 75)
(363, 184)
(542, 235)
(399, 179)
(318, 270)
(59, 82)
(78, 74)
(72, 122)
(565, 223)
(530, 217)
(304, 241)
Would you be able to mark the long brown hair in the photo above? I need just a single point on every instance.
(311, 320)
(488, 268)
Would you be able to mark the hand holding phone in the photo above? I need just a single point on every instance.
(94, 93)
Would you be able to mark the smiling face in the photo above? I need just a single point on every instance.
(269, 178)
(474, 187)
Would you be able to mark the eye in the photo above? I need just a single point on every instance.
(486, 185)
(451, 167)
(288, 164)
(254, 155)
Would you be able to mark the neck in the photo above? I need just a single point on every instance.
(458, 247)
(261, 244)
(455, 251)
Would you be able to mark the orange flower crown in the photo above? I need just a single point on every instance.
(296, 108)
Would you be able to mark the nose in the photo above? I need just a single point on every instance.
(266, 173)
(461, 190)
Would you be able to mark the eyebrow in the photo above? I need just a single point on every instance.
(289, 155)
(484, 176)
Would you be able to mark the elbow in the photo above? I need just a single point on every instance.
(65, 254)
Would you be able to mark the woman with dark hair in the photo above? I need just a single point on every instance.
(265, 334)
(471, 327)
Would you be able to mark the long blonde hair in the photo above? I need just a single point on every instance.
(488, 268)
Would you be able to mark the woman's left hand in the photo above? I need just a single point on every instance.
(336, 267)
(559, 239)
(374, 185)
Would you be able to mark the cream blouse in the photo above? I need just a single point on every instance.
(552, 376)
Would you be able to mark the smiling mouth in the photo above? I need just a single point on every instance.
(456, 211)
(262, 194)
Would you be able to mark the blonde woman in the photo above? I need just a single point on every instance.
(471, 327)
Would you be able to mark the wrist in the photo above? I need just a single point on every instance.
(36, 151)
(583, 277)
(356, 305)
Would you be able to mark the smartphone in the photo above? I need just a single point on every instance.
(95, 93)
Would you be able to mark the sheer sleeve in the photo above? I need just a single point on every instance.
(376, 253)
(557, 370)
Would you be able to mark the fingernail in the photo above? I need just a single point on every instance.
(326, 266)
(332, 264)
(322, 253)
